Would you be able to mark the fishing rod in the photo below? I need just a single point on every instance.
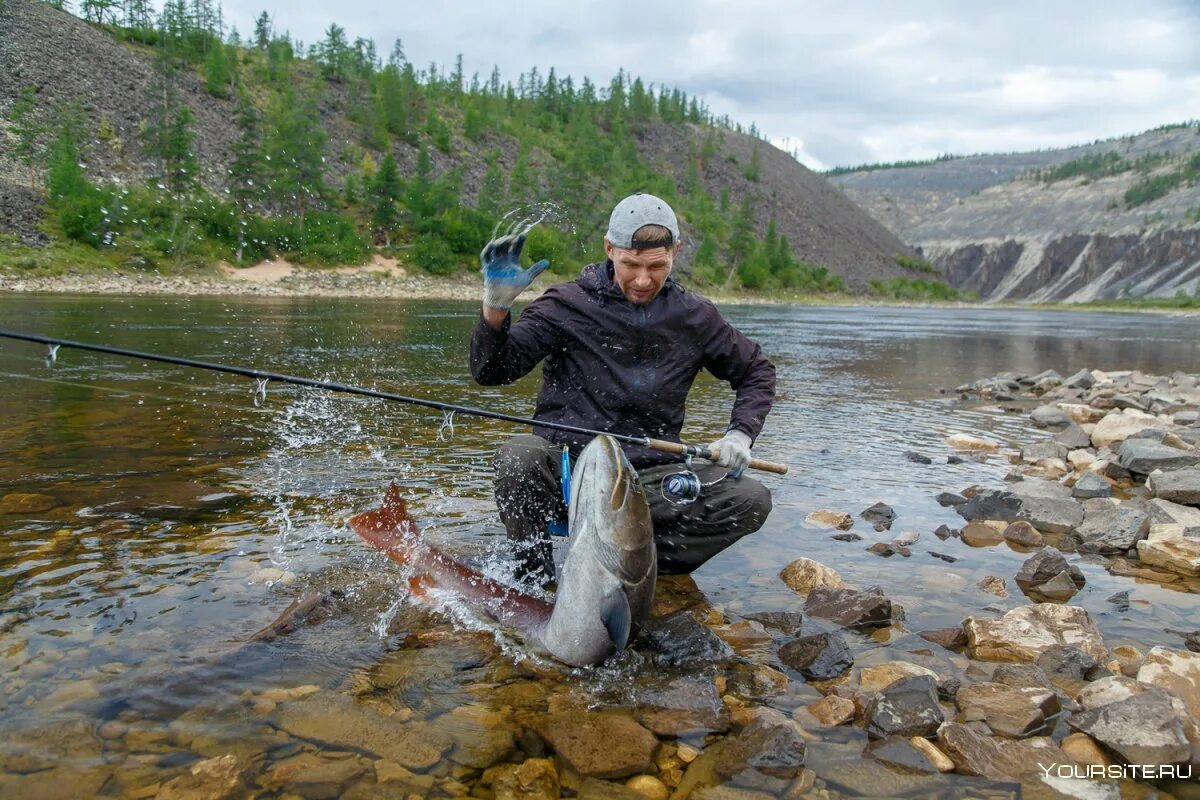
(262, 377)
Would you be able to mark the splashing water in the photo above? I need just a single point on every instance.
(524, 218)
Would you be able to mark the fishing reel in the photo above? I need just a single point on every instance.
(684, 487)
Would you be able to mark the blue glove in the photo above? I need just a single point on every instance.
(503, 278)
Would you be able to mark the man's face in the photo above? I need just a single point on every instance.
(640, 274)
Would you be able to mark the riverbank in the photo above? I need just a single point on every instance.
(383, 278)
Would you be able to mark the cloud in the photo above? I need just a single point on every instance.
(867, 81)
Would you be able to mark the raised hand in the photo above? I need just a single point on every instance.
(503, 277)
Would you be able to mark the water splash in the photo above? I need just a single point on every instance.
(524, 218)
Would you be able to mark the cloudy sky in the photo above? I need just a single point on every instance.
(836, 82)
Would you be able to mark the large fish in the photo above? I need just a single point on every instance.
(606, 584)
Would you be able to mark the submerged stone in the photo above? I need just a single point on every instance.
(820, 657)
(850, 608)
(907, 707)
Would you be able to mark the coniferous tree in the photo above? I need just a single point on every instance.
(28, 130)
(493, 192)
(296, 149)
(386, 190)
(218, 71)
(167, 137)
(262, 31)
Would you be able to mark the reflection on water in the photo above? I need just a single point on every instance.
(157, 518)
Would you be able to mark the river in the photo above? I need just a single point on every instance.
(179, 516)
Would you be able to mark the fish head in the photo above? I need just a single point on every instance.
(607, 497)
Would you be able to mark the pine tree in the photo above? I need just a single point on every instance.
(65, 178)
(296, 149)
(218, 75)
(28, 131)
(386, 190)
(262, 31)
(167, 137)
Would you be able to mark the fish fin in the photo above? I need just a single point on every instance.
(390, 527)
(618, 620)
(418, 589)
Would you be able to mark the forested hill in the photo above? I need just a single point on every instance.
(157, 139)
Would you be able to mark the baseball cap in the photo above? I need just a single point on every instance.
(636, 211)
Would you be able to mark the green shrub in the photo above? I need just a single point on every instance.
(433, 255)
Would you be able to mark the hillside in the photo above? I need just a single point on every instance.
(465, 152)
(1116, 218)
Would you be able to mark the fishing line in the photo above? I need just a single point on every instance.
(261, 376)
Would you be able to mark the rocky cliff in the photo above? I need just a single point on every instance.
(1077, 224)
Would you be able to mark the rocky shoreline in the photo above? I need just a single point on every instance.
(830, 697)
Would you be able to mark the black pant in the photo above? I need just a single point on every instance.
(529, 496)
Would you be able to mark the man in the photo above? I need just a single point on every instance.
(622, 345)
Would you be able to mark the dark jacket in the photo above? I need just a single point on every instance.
(615, 366)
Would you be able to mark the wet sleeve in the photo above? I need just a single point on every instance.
(503, 356)
(731, 356)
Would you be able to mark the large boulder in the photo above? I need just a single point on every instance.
(907, 707)
(851, 608)
(1050, 417)
(1026, 632)
(1166, 546)
(998, 759)
(1177, 486)
(1177, 671)
(1109, 528)
(1165, 512)
(1047, 576)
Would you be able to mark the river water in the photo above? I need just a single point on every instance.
(177, 517)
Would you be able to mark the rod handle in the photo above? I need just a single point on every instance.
(712, 455)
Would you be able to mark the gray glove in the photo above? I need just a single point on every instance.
(733, 451)
(503, 278)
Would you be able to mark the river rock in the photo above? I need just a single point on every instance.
(331, 719)
(596, 789)
(877, 678)
(1043, 567)
(481, 737)
(1091, 486)
(832, 710)
(1046, 448)
(1146, 728)
(1081, 459)
(820, 657)
(1165, 512)
(998, 759)
(1177, 486)
(907, 707)
(1023, 534)
(789, 622)
(27, 503)
(532, 779)
(1177, 671)
(945, 499)
(1050, 417)
(1083, 414)
(881, 515)
(830, 519)
(950, 638)
(981, 533)
(851, 608)
(1117, 426)
(849, 774)
(1142, 456)
(649, 787)
(1109, 528)
(900, 754)
(917, 458)
(1007, 710)
(599, 744)
(993, 584)
(221, 778)
(906, 539)
(680, 640)
(1026, 632)
(1084, 379)
(1072, 664)
(1047, 514)
(314, 777)
(803, 575)
(961, 441)
(1073, 438)
(1167, 547)
(685, 707)
(770, 744)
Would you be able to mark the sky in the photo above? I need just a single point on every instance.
(836, 83)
